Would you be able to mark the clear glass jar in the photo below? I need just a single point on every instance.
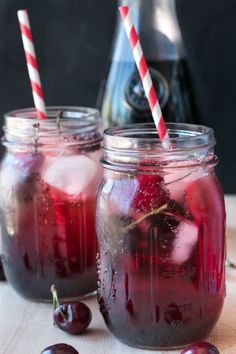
(161, 235)
(49, 178)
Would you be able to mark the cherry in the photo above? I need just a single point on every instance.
(150, 194)
(173, 315)
(72, 317)
(60, 348)
(200, 348)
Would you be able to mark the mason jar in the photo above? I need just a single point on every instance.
(161, 234)
(49, 178)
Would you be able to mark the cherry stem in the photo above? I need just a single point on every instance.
(153, 212)
(56, 303)
(58, 120)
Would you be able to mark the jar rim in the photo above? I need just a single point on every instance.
(63, 123)
(139, 144)
(31, 112)
(191, 134)
(26, 118)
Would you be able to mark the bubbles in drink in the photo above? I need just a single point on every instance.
(158, 237)
(49, 213)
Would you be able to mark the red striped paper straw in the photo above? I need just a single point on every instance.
(145, 75)
(32, 64)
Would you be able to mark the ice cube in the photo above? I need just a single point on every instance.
(186, 239)
(70, 174)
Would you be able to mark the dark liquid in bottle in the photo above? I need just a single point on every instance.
(125, 101)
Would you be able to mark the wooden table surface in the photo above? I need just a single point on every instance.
(27, 328)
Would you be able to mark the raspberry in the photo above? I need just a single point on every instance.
(150, 193)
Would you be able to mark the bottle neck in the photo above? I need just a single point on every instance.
(158, 28)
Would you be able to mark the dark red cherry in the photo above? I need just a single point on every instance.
(200, 348)
(60, 348)
(72, 317)
(173, 315)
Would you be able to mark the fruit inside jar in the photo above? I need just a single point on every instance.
(161, 259)
(49, 222)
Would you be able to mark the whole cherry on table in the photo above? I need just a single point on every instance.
(60, 348)
(71, 317)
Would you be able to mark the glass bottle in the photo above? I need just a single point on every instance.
(49, 178)
(161, 235)
(124, 99)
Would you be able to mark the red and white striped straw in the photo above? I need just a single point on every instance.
(32, 64)
(145, 75)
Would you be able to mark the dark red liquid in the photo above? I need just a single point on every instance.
(49, 238)
(150, 293)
